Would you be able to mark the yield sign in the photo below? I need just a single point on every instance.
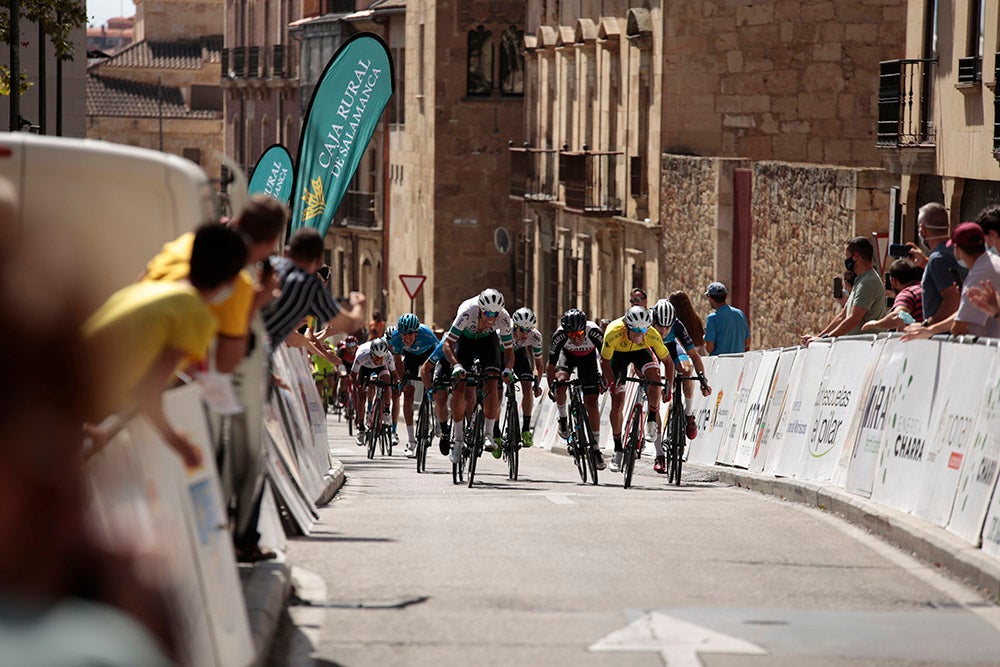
(412, 284)
(678, 642)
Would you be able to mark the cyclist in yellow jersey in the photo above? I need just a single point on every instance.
(631, 340)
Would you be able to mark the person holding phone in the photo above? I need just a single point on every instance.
(867, 299)
(842, 287)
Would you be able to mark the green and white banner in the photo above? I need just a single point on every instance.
(342, 116)
(273, 174)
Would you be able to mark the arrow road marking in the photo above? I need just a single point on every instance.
(677, 641)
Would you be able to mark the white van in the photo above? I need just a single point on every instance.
(115, 204)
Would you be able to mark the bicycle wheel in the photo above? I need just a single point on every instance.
(349, 413)
(589, 444)
(475, 442)
(677, 441)
(423, 433)
(577, 444)
(633, 434)
(512, 440)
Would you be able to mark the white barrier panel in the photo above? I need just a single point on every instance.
(776, 394)
(748, 433)
(713, 421)
(963, 374)
(801, 410)
(901, 455)
(836, 404)
(307, 410)
(871, 426)
(701, 406)
(272, 535)
(283, 469)
(779, 425)
(979, 471)
(744, 385)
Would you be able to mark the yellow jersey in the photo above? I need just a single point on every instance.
(616, 340)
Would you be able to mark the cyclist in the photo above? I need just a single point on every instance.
(576, 345)
(346, 349)
(527, 365)
(436, 373)
(373, 359)
(411, 343)
(390, 331)
(682, 350)
(632, 341)
(481, 327)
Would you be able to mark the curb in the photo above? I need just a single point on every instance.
(333, 479)
(927, 541)
(267, 588)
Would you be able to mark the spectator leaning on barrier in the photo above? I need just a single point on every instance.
(904, 276)
(303, 294)
(969, 246)
(984, 295)
(144, 332)
(726, 328)
(989, 220)
(867, 299)
(941, 292)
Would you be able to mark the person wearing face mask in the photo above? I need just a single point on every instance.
(940, 291)
(989, 220)
(969, 245)
(867, 299)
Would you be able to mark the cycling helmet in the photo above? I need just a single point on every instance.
(379, 348)
(408, 323)
(638, 317)
(574, 319)
(524, 318)
(490, 299)
(350, 341)
(663, 314)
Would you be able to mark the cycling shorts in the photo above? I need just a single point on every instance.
(638, 359)
(442, 375)
(322, 367)
(487, 349)
(524, 365)
(412, 363)
(586, 370)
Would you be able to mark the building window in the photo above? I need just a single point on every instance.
(193, 154)
(480, 75)
(511, 61)
(397, 106)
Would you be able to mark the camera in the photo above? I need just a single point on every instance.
(899, 250)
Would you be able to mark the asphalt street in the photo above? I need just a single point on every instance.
(408, 569)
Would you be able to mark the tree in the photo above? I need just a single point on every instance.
(58, 18)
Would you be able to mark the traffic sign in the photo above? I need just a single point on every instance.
(412, 284)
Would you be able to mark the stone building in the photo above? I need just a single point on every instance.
(938, 131)
(162, 91)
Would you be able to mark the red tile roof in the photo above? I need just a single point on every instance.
(107, 96)
(167, 55)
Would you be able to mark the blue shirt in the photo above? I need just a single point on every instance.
(937, 277)
(425, 340)
(727, 328)
(438, 353)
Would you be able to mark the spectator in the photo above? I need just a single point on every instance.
(726, 328)
(904, 276)
(984, 295)
(144, 332)
(848, 285)
(867, 299)
(969, 245)
(989, 220)
(302, 292)
(689, 318)
(941, 291)
(637, 297)
(376, 328)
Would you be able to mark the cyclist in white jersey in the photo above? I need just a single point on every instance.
(480, 328)
(527, 366)
(576, 344)
(374, 358)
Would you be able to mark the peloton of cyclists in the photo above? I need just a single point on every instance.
(373, 358)
(576, 345)
(411, 343)
(527, 366)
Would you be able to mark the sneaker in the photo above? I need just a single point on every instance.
(652, 431)
(660, 466)
(493, 446)
(395, 439)
(444, 444)
(526, 439)
(692, 428)
(563, 428)
(598, 458)
(437, 430)
(456, 453)
(616, 462)
(410, 451)
(360, 439)
(387, 419)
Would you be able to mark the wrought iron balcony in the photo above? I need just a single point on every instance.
(278, 61)
(239, 62)
(357, 209)
(970, 70)
(996, 109)
(533, 173)
(253, 62)
(590, 181)
(224, 61)
(905, 103)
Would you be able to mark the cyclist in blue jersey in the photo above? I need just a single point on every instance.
(411, 343)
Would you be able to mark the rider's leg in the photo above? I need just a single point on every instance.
(652, 373)
(408, 391)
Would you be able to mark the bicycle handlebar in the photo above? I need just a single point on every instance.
(645, 382)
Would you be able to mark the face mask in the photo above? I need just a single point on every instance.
(849, 263)
(922, 242)
(222, 295)
(962, 264)
(993, 251)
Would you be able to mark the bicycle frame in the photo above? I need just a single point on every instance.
(581, 433)
(676, 431)
(634, 437)
(474, 419)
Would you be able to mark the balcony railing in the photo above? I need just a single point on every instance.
(996, 108)
(239, 61)
(970, 70)
(278, 61)
(358, 208)
(590, 180)
(253, 62)
(905, 103)
(224, 61)
(533, 173)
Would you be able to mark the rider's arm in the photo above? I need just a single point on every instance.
(448, 349)
(426, 369)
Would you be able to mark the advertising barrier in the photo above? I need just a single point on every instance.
(803, 402)
(776, 394)
(744, 386)
(748, 431)
(713, 418)
(779, 420)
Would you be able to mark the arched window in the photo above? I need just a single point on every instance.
(512, 61)
(480, 74)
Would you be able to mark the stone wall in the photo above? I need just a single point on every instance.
(803, 215)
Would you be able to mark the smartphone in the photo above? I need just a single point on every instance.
(899, 250)
(888, 283)
(838, 288)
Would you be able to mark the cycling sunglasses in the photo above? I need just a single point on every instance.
(639, 330)
(523, 329)
(490, 313)
(577, 333)
(635, 300)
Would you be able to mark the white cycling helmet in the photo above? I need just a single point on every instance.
(638, 317)
(663, 313)
(524, 318)
(490, 299)
(379, 348)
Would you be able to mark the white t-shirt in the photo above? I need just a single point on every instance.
(986, 267)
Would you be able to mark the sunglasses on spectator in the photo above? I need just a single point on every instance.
(636, 300)
(639, 330)
(490, 313)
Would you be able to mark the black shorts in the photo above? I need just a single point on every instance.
(442, 375)
(412, 363)
(586, 370)
(524, 364)
(486, 349)
(637, 358)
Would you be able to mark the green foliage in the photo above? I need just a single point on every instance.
(58, 18)
(5, 81)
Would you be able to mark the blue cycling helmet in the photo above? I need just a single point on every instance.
(408, 323)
